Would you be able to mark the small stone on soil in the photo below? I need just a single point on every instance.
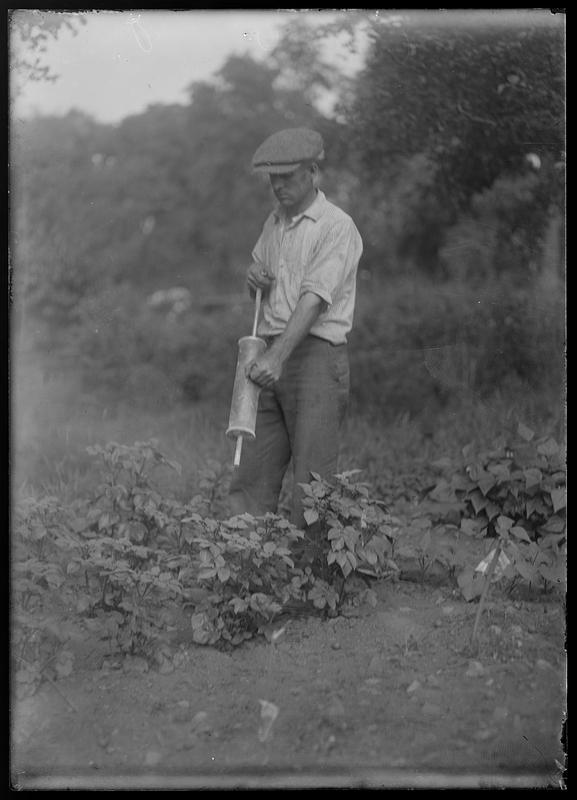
(483, 735)
(335, 710)
(541, 663)
(181, 715)
(431, 709)
(185, 744)
(500, 714)
(152, 758)
(200, 718)
(475, 669)
(377, 665)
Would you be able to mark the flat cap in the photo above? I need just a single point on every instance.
(285, 150)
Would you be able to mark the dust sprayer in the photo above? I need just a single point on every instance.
(245, 392)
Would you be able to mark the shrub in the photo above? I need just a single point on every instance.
(40, 631)
(351, 531)
(417, 348)
(121, 565)
(514, 493)
(504, 230)
(247, 568)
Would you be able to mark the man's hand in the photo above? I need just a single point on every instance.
(266, 370)
(258, 277)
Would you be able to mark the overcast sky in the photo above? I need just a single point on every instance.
(122, 61)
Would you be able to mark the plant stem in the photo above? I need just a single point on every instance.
(488, 577)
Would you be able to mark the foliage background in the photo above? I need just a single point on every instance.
(447, 148)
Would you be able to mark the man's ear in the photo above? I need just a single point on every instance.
(315, 174)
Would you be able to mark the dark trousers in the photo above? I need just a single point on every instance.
(300, 417)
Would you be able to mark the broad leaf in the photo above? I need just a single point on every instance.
(311, 516)
(524, 432)
(520, 533)
(558, 498)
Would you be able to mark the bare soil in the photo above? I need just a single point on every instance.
(385, 695)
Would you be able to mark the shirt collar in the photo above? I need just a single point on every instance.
(314, 211)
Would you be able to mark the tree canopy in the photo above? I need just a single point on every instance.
(433, 132)
(476, 96)
(30, 31)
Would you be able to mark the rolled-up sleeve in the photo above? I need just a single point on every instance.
(337, 255)
(316, 252)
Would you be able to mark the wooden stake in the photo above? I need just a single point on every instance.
(488, 576)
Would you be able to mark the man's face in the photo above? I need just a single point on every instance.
(293, 189)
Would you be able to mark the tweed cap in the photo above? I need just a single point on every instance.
(285, 150)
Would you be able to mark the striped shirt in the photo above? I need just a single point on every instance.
(317, 251)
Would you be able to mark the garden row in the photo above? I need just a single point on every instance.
(120, 565)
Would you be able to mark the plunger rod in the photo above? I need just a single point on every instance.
(258, 298)
(237, 451)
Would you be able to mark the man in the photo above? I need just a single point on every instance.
(305, 262)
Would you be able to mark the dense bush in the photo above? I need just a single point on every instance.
(503, 230)
(417, 346)
(124, 350)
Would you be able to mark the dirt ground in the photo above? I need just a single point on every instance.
(384, 695)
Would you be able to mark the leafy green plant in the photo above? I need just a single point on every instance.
(39, 634)
(126, 592)
(122, 565)
(213, 485)
(247, 569)
(350, 531)
(515, 494)
(110, 564)
(425, 544)
(128, 560)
